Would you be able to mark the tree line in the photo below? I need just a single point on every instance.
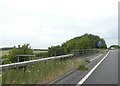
(86, 41)
(115, 46)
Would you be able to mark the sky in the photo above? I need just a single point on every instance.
(45, 23)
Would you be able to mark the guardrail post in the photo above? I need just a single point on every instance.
(18, 58)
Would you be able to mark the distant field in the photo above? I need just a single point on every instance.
(40, 51)
(5, 52)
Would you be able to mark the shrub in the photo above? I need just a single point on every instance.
(83, 67)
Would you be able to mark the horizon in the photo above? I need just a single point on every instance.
(52, 45)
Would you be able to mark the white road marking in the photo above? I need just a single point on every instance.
(92, 70)
(95, 57)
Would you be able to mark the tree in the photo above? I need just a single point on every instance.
(115, 46)
(21, 50)
(55, 51)
(86, 41)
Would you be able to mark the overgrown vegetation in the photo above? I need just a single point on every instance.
(11, 57)
(42, 72)
(87, 41)
(40, 54)
(115, 46)
(83, 67)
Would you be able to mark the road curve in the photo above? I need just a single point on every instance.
(76, 76)
(107, 71)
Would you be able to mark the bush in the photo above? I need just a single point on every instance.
(21, 50)
(86, 41)
(83, 67)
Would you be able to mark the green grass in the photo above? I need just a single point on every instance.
(40, 73)
(83, 67)
(2, 53)
(5, 52)
(102, 50)
(39, 52)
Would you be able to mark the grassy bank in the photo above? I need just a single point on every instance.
(42, 72)
(102, 50)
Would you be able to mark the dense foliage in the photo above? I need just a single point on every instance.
(115, 46)
(86, 41)
(21, 50)
(55, 51)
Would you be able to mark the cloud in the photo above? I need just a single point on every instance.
(43, 23)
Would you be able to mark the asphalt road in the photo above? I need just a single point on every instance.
(107, 71)
(77, 75)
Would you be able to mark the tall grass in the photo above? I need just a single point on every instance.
(102, 50)
(42, 72)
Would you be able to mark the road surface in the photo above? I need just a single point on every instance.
(77, 75)
(107, 71)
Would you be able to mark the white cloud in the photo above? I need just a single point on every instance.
(43, 23)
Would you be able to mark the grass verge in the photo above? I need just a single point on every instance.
(42, 72)
(83, 67)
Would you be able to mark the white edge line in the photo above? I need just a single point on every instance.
(83, 80)
(96, 57)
